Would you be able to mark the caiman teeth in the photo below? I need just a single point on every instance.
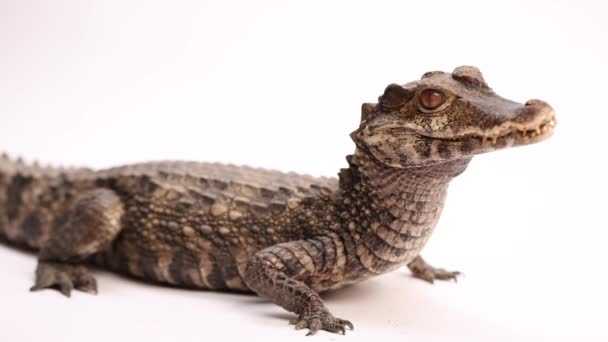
(526, 133)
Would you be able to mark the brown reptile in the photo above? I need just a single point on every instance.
(286, 237)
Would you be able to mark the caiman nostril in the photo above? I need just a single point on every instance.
(534, 102)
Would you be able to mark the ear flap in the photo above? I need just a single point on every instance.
(431, 74)
(395, 96)
(471, 76)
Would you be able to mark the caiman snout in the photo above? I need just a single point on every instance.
(536, 102)
(535, 112)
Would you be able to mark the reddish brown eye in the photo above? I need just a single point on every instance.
(431, 98)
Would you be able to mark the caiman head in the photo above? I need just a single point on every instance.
(447, 116)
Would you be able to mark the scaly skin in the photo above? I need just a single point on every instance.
(286, 237)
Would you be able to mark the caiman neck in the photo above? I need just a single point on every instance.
(395, 209)
(383, 182)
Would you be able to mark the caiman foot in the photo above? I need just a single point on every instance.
(64, 278)
(421, 270)
(317, 318)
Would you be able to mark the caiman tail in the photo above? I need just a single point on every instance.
(31, 198)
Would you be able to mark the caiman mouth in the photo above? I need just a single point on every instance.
(513, 130)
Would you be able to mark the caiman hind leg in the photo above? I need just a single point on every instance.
(88, 227)
(421, 270)
(283, 273)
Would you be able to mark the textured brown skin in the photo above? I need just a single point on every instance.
(286, 237)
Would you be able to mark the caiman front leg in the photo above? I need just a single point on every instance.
(89, 226)
(282, 273)
(420, 269)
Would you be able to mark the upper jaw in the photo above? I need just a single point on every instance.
(536, 122)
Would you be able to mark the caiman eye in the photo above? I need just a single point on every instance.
(431, 98)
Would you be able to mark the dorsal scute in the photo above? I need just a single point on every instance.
(210, 183)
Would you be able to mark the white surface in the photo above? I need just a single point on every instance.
(280, 85)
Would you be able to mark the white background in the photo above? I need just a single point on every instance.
(279, 84)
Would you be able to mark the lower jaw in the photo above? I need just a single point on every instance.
(517, 138)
